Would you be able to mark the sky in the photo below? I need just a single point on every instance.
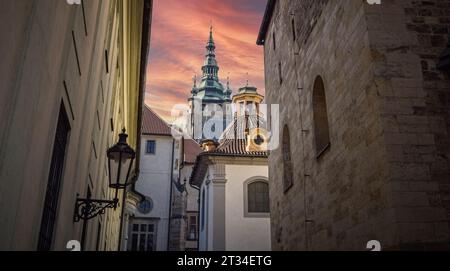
(180, 30)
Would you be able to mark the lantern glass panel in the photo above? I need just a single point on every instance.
(124, 165)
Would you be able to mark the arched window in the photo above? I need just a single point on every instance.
(321, 127)
(256, 193)
(287, 161)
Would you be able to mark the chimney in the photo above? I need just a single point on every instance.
(209, 145)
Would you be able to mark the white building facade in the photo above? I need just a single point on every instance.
(232, 176)
(147, 224)
(164, 207)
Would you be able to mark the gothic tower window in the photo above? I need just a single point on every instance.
(274, 41)
(321, 125)
(294, 36)
(280, 76)
(287, 161)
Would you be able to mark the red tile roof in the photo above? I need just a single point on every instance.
(234, 140)
(152, 124)
(191, 150)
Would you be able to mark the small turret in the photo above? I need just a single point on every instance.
(194, 87)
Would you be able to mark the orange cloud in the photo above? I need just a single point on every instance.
(180, 30)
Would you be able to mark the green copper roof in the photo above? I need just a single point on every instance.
(247, 89)
(210, 88)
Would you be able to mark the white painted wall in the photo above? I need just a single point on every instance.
(244, 233)
(241, 233)
(154, 182)
(206, 214)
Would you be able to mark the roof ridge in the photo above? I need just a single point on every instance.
(157, 115)
(152, 123)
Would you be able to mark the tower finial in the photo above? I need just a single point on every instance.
(247, 80)
(211, 32)
(195, 80)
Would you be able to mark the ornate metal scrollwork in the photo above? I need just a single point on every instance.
(86, 209)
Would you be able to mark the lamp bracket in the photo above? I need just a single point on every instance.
(86, 209)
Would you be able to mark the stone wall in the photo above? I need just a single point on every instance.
(382, 177)
(406, 40)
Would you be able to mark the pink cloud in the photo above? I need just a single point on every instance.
(180, 30)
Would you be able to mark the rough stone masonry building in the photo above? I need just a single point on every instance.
(364, 95)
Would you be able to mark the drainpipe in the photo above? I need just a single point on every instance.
(171, 191)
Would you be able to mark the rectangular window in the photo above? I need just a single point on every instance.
(280, 73)
(258, 197)
(98, 121)
(192, 227)
(274, 41)
(294, 35)
(76, 52)
(107, 61)
(151, 147)
(142, 237)
(51, 200)
(84, 18)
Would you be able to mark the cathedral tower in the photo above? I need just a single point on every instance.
(208, 95)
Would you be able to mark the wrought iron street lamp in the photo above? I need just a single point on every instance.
(120, 162)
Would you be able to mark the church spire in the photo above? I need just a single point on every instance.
(194, 87)
(209, 89)
(210, 68)
(211, 39)
(228, 90)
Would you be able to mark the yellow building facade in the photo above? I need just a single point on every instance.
(71, 78)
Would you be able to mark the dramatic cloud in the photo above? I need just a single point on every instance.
(180, 30)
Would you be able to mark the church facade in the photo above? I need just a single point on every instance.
(364, 97)
(232, 177)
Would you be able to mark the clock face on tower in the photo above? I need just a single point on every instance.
(145, 206)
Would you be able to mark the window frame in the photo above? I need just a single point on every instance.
(146, 232)
(319, 130)
(190, 215)
(147, 149)
(287, 185)
(280, 73)
(55, 181)
(248, 182)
